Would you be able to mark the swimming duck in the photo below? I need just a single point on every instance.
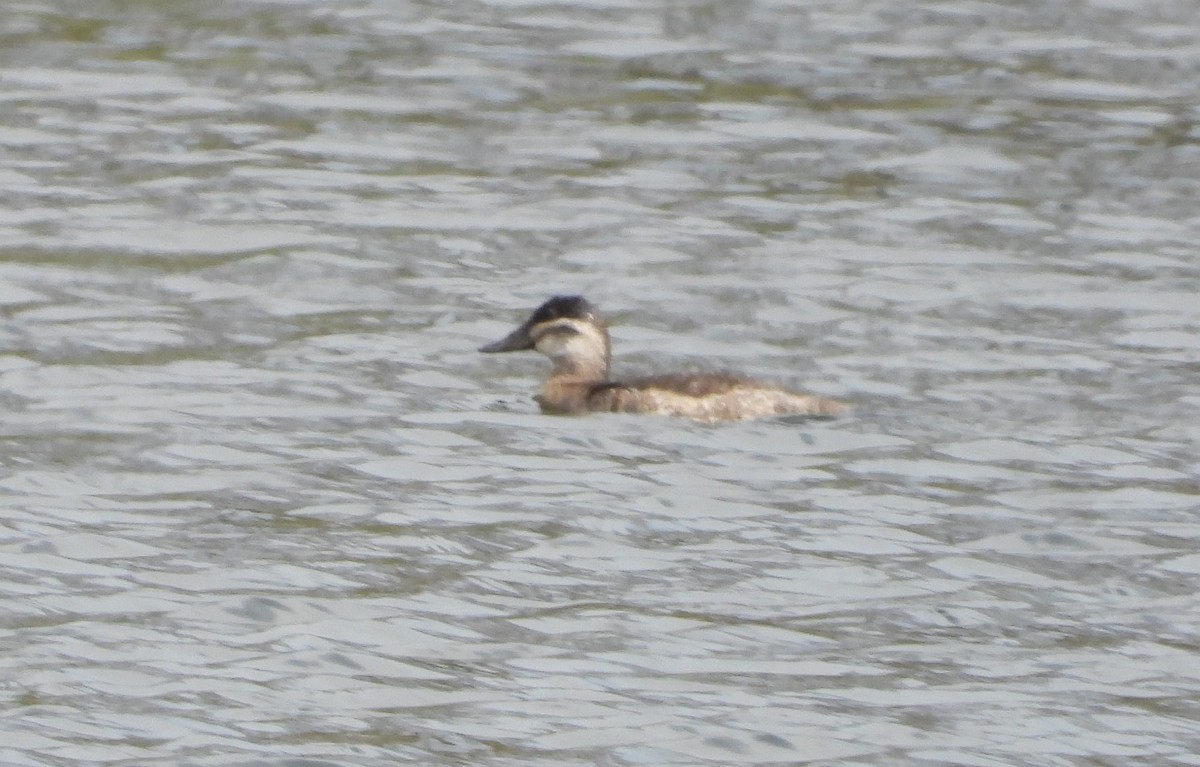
(573, 334)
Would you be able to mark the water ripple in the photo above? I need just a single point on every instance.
(264, 504)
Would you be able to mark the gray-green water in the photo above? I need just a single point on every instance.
(262, 503)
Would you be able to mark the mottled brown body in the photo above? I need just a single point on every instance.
(704, 397)
(570, 331)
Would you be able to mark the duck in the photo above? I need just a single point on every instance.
(572, 332)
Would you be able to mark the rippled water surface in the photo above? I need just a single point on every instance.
(262, 503)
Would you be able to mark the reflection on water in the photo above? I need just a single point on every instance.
(263, 504)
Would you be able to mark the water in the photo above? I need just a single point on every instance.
(262, 503)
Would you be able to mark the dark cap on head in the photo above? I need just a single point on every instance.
(576, 307)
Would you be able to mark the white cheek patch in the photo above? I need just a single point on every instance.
(556, 344)
(574, 345)
(559, 338)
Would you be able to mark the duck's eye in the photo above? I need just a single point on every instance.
(557, 332)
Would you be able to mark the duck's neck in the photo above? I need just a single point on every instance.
(576, 368)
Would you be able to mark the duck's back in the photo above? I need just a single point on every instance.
(706, 397)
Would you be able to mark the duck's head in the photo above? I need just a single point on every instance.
(567, 329)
